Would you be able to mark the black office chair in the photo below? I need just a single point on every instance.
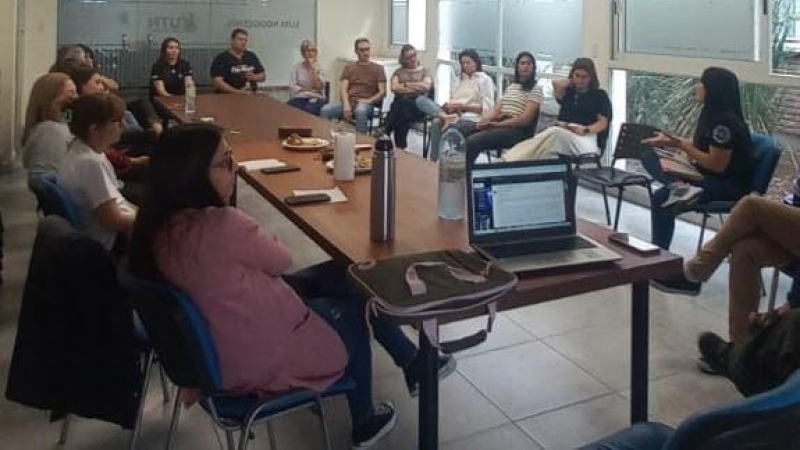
(628, 146)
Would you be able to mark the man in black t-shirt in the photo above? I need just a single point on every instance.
(236, 69)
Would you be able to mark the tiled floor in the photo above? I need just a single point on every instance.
(551, 376)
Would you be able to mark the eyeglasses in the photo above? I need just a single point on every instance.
(410, 55)
(363, 49)
(226, 163)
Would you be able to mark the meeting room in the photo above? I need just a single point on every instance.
(400, 224)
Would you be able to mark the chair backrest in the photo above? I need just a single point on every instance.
(766, 154)
(54, 199)
(629, 142)
(764, 421)
(179, 334)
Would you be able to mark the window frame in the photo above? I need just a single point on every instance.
(759, 71)
(416, 37)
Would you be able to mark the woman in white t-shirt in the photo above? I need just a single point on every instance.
(470, 99)
(514, 117)
(88, 175)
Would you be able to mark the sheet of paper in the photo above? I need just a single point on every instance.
(258, 164)
(335, 194)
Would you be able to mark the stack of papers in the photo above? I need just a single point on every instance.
(675, 162)
(258, 164)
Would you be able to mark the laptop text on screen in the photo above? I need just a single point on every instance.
(522, 216)
(519, 199)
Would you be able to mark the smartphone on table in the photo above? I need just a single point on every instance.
(634, 243)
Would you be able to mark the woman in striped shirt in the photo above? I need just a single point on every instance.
(514, 117)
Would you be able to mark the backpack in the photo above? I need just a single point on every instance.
(423, 288)
(767, 357)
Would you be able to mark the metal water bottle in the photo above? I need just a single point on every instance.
(382, 192)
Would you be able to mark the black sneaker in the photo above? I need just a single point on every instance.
(383, 419)
(676, 285)
(714, 353)
(447, 365)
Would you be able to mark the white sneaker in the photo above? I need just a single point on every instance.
(683, 193)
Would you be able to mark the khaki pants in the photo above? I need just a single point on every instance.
(758, 233)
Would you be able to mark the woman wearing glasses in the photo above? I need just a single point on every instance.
(408, 83)
(307, 82)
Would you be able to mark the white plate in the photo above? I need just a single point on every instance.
(309, 144)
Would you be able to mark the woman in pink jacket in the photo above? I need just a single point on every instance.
(269, 339)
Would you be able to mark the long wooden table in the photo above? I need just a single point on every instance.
(342, 229)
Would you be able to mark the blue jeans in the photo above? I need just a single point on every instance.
(361, 112)
(309, 105)
(347, 318)
(642, 436)
(327, 280)
(662, 220)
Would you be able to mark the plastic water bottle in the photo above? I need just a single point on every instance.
(452, 175)
(382, 192)
(190, 101)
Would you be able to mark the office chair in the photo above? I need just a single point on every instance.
(52, 198)
(766, 154)
(764, 421)
(628, 146)
(185, 347)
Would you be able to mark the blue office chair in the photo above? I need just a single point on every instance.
(767, 421)
(766, 154)
(54, 199)
(184, 345)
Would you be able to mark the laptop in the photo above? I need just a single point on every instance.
(522, 216)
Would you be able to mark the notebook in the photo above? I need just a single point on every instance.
(522, 216)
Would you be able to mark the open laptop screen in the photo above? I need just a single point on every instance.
(510, 201)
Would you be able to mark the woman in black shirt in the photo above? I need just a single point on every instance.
(170, 72)
(583, 119)
(720, 150)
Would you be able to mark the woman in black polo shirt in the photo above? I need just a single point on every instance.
(720, 150)
(170, 72)
(582, 126)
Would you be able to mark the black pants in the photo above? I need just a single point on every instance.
(402, 114)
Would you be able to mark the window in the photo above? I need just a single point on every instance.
(408, 19)
(718, 29)
(126, 34)
(500, 29)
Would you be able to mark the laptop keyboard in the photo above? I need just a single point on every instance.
(539, 247)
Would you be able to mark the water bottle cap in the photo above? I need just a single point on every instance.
(384, 144)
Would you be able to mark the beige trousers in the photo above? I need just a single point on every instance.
(758, 233)
(550, 143)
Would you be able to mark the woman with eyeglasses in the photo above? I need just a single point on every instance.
(408, 82)
(86, 172)
(273, 332)
(514, 117)
(307, 82)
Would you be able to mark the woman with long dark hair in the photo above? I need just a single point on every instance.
(269, 338)
(720, 150)
(409, 82)
(514, 117)
(583, 119)
(169, 74)
(470, 99)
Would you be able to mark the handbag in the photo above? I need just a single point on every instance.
(424, 287)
